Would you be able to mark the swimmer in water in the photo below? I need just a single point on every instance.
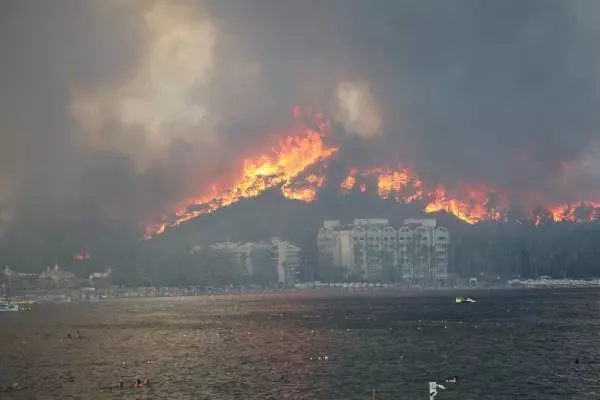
(68, 336)
(454, 380)
(121, 384)
(138, 383)
(78, 334)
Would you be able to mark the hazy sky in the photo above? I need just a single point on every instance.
(112, 110)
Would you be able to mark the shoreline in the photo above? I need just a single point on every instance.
(71, 296)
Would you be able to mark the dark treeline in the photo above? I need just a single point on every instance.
(169, 260)
(500, 249)
(165, 263)
(489, 249)
(494, 249)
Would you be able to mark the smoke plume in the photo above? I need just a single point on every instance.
(115, 112)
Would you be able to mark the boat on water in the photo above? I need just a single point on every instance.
(8, 307)
(26, 302)
(460, 299)
(25, 305)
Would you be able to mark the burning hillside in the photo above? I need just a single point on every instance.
(297, 165)
(284, 165)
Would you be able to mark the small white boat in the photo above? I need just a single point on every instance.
(8, 307)
(467, 300)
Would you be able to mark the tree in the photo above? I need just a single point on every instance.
(389, 266)
(373, 260)
(357, 275)
(264, 270)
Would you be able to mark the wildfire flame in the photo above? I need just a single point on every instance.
(404, 186)
(390, 182)
(578, 212)
(471, 204)
(280, 167)
(82, 256)
(290, 165)
(306, 190)
(471, 210)
(348, 183)
(401, 184)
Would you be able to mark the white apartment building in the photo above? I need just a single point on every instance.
(286, 258)
(373, 250)
(283, 257)
(245, 251)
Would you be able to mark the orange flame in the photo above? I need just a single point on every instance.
(281, 167)
(82, 256)
(404, 186)
(575, 212)
(290, 166)
(395, 183)
(471, 210)
(306, 190)
(348, 184)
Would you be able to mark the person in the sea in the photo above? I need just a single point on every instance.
(68, 336)
(138, 383)
(12, 388)
(78, 334)
(121, 384)
(454, 380)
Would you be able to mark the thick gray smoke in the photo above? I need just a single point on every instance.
(503, 93)
(111, 112)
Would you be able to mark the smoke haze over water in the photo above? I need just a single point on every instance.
(113, 112)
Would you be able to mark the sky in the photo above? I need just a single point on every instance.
(112, 111)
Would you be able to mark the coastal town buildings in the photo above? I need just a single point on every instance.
(372, 250)
(276, 261)
(13, 280)
(57, 278)
(286, 258)
(101, 280)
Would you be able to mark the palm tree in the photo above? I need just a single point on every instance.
(432, 262)
(388, 266)
(412, 255)
(372, 255)
(359, 258)
(326, 269)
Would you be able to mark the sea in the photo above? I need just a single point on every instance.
(510, 344)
